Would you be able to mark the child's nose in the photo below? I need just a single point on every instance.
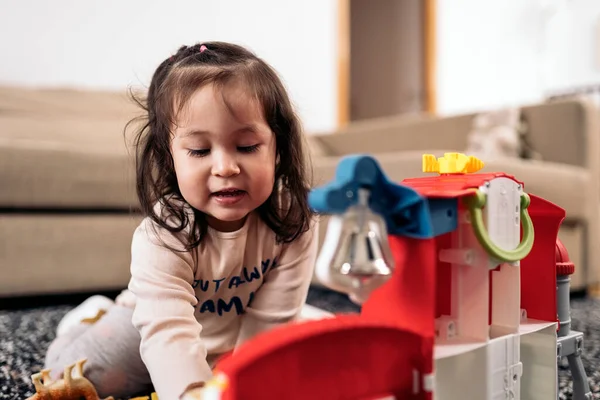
(225, 165)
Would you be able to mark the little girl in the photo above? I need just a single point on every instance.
(228, 243)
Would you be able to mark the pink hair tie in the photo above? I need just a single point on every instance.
(202, 48)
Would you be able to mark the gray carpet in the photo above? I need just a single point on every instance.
(26, 333)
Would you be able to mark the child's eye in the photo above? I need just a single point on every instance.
(248, 149)
(198, 152)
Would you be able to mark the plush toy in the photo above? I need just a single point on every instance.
(70, 387)
(495, 134)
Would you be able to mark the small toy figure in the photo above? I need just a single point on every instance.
(71, 387)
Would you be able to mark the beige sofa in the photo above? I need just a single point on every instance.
(66, 191)
(67, 195)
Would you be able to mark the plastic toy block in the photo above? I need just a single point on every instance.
(444, 215)
(451, 163)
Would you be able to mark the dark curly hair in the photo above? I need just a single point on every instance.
(176, 79)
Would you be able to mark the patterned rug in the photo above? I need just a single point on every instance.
(26, 333)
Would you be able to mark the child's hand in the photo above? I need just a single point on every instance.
(194, 393)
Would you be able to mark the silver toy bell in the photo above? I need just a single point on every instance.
(355, 256)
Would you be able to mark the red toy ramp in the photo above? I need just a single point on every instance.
(346, 357)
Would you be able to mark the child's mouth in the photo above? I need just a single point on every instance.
(229, 193)
(229, 196)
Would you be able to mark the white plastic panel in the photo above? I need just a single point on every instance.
(462, 376)
(504, 368)
(538, 354)
(456, 347)
(506, 299)
(502, 221)
(501, 212)
(470, 284)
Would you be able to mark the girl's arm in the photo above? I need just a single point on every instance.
(164, 314)
(283, 293)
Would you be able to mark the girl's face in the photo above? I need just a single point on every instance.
(224, 155)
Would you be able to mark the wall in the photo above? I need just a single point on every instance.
(502, 53)
(113, 44)
(573, 45)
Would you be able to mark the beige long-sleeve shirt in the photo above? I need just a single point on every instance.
(193, 306)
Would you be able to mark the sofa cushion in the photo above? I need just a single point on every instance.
(41, 254)
(69, 161)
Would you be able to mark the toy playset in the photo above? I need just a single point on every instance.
(464, 287)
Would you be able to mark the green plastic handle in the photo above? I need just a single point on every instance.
(475, 204)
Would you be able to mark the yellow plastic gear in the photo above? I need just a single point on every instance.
(452, 163)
